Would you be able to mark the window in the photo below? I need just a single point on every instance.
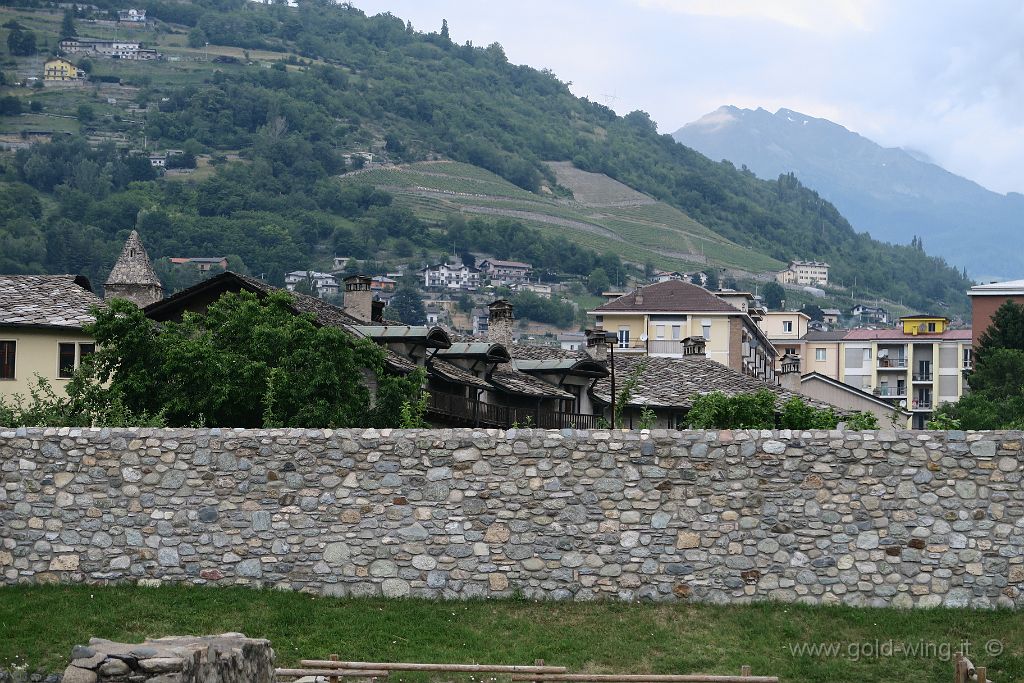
(787, 325)
(677, 332)
(791, 350)
(706, 331)
(931, 327)
(819, 354)
(867, 354)
(623, 337)
(7, 349)
(65, 360)
(659, 331)
(70, 356)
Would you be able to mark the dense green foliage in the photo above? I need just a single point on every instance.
(996, 396)
(406, 306)
(553, 311)
(716, 410)
(376, 77)
(773, 294)
(246, 362)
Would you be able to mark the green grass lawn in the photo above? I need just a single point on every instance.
(40, 624)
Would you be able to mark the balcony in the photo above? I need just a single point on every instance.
(890, 392)
(892, 363)
(922, 404)
(968, 365)
(922, 377)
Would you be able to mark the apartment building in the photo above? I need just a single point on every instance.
(786, 330)
(451, 276)
(506, 272)
(986, 299)
(655, 319)
(804, 273)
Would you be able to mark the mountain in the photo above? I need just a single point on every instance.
(894, 194)
(276, 105)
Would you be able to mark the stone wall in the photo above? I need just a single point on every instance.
(876, 518)
(227, 658)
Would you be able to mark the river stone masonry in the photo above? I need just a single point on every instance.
(227, 658)
(900, 519)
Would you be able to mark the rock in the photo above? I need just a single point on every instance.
(395, 588)
(687, 539)
(73, 674)
(251, 568)
(64, 563)
(168, 557)
(337, 553)
(773, 447)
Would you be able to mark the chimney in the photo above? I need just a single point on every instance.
(499, 322)
(359, 298)
(694, 346)
(638, 300)
(789, 375)
(597, 345)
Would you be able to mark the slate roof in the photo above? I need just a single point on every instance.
(453, 373)
(507, 378)
(674, 382)
(670, 296)
(46, 301)
(819, 336)
(133, 266)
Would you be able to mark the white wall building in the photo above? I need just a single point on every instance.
(451, 276)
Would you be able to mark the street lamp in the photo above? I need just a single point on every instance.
(611, 339)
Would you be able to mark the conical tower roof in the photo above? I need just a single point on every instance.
(133, 266)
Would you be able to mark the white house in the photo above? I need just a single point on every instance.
(451, 276)
(320, 283)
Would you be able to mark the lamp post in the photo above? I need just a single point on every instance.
(612, 339)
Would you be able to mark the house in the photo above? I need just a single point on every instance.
(340, 263)
(110, 49)
(668, 386)
(655, 319)
(572, 341)
(831, 316)
(662, 275)
(480, 320)
(132, 276)
(158, 160)
(538, 288)
(320, 284)
(132, 16)
(867, 315)
(41, 321)
(986, 299)
(202, 263)
(852, 399)
(381, 283)
(917, 366)
(786, 330)
(60, 70)
(804, 273)
(506, 272)
(451, 276)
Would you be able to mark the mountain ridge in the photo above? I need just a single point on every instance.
(889, 191)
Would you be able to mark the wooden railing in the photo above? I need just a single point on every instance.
(472, 413)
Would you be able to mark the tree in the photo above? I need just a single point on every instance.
(67, 26)
(774, 295)
(813, 312)
(407, 305)
(444, 29)
(712, 282)
(10, 106)
(246, 362)
(197, 38)
(86, 113)
(1006, 331)
(598, 281)
(21, 42)
(468, 258)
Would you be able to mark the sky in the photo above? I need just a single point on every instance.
(942, 77)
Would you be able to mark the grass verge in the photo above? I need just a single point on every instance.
(40, 624)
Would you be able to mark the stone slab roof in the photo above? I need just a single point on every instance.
(46, 301)
(133, 266)
(670, 296)
(674, 382)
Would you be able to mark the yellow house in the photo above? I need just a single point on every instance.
(41, 320)
(59, 69)
(786, 330)
(655, 319)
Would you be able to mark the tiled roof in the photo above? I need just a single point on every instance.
(50, 301)
(674, 382)
(830, 336)
(133, 266)
(670, 296)
(899, 335)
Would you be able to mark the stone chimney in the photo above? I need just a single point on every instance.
(597, 345)
(789, 374)
(694, 346)
(359, 298)
(499, 322)
(133, 277)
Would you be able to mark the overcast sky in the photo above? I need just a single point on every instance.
(942, 77)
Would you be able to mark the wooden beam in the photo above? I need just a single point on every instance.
(647, 678)
(416, 666)
(346, 673)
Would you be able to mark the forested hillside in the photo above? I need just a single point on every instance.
(348, 82)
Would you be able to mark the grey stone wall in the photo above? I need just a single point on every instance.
(227, 658)
(875, 518)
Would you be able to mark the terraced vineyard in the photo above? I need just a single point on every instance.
(603, 214)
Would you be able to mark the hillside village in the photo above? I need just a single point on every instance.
(454, 365)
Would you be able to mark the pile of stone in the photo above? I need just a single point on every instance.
(227, 658)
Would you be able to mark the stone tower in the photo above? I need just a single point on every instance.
(133, 277)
